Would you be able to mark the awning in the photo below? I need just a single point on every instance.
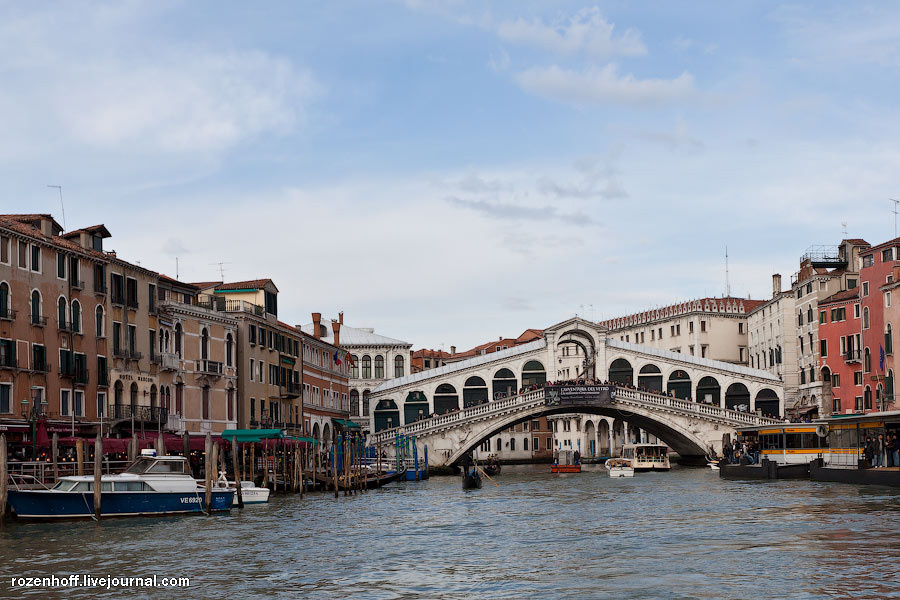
(252, 435)
(347, 424)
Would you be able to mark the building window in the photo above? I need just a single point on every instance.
(4, 249)
(76, 316)
(205, 401)
(823, 348)
(867, 361)
(35, 258)
(62, 309)
(398, 366)
(178, 340)
(64, 398)
(866, 318)
(836, 380)
(229, 350)
(60, 265)
(99, 322)
(888, 339)
(5, 398)
(101, 404)
(379, 367)
(366, 367)
(868, 260)
(132, 340)
(887, 255)
(822, 318)
(865, 289)
(252, 369)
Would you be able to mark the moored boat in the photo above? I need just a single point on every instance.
(567, 461)
(152, 485)
(619, 467)
(250, 493)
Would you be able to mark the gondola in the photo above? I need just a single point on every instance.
(471, 480)
(491, 469)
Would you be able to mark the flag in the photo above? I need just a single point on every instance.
(881, 358)
(337, 358)
(349, 358)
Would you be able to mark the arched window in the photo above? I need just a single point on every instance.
(866, 318)
(379, 367)
(167, 340)
(889, 386)
(154, 401)
(62, 309)
(867, 361)
(76, 316)
(4, 300)
(134, 396)
(867, 399)
(230, 400)
(204, 344)
(179, 398)
(35, 307)
(119, 393)
(512, 444)
(354, 403)
(167, 398)
(178, 340)
(99, 322)
(229, 352)
(161, 344)
(365, 412)
(525, 444)
(398, 366)
(367, 367)
(888, 339)
(354, 367)
(498, 444)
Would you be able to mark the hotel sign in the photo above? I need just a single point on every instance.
(579, 395)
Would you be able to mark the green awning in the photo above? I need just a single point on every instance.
(347, 424)
(308, 440)
(252, 435)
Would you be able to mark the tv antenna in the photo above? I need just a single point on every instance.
(727, 278)
(896, 202)
(221, 268)
(62, 206)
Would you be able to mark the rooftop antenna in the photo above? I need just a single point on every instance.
(896, 202)
(221, 268)
(727, 279)
(176, 267)
(844, 227)
(62, 206)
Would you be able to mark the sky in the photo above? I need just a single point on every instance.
(453, 171)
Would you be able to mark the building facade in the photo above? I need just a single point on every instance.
(839, 353)
(880, 268)
(772, 339)
(713, 328)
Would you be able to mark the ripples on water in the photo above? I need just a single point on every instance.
(682, 534)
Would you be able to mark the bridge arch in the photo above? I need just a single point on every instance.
(387, 414)
(621, 371)
(737, 395)
(650, 378)
(415, 406)
(768, 403)
(709, 391)
(533, 373)
(681, 439)
(475, 391)
(504, 382)
(588, 344)
(445, 399)
(679, 384)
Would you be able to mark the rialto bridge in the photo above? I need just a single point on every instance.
(690, 403)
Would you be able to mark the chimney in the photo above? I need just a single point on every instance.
(336, 328)
(452, 350)
(776, 284)
(317, 322)
(341, 317)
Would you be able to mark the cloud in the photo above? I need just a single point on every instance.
(597, 181)
(507, 210)
(603, 86)
(587, 32)
(107, 85)
(679, 137)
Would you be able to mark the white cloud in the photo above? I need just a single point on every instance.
(603, 86)
(586, 32)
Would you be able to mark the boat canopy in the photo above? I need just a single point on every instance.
(252, 435)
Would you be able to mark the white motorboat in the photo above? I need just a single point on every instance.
(647, 457)
(249, 492)
(714, 465)
(619, 467)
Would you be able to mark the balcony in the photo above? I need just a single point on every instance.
(76, 285)
(100, 287)
(41, 367)
(166, 361)
(289, 390)
(827, 257)
(7, 314)
(852, 356)
(209, 367)
(148, 414)
(127, 354)
(38, 321)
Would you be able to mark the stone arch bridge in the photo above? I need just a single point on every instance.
(687, 402)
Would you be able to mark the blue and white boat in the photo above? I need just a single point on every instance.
(152, 485)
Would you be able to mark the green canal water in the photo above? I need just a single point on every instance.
(681, 534)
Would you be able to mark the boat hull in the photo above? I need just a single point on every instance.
(45, 504)
(252, 496)
(565, 468)
(620, 472)
(471, 482)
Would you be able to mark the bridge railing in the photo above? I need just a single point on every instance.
(537, 396)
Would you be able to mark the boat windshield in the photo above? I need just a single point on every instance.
(140, 465)
(64, 486)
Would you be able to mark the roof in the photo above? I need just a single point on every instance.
(857, 242)
(100, 230)
(205, 285)
(724, 305)
(841, 296)
(22, 226)
(703, 362)
(461, 365)
(892, 242)
(529, 335)
(168, 279)
(252, 284)
(353, 336)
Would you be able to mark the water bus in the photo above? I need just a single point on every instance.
(151, 485)
(647, 457)
(844, 459)
(783, 451)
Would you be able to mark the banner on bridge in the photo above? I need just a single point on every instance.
(579, 395)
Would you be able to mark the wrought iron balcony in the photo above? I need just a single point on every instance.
(853, 355)
(148, 414)
(38, 321)
(127, 354)
(289, 390)
(210, 367)
(7, 314)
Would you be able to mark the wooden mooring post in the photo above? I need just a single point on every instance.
(98, 474)
(237, 472)
(208, 466)
(79, 455)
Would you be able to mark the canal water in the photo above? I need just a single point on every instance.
(681, 534)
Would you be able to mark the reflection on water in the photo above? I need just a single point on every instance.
(682, 534)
